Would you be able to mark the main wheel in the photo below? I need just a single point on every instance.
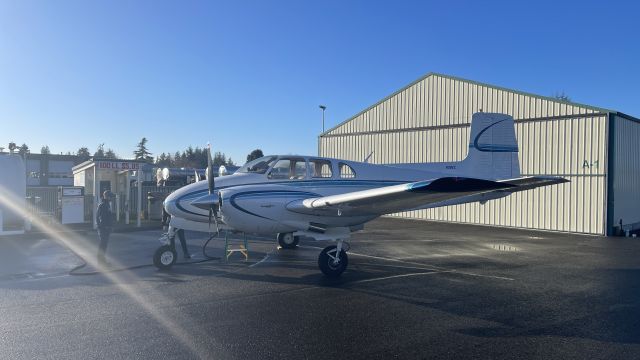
(327, 264)
(288, 241)
(165, 257)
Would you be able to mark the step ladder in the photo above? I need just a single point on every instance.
(232, 246)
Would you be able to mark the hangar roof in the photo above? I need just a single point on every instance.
(517, 92)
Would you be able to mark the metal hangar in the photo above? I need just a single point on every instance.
(597, 149)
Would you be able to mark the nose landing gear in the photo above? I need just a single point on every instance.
(165, 256)
(288, 240)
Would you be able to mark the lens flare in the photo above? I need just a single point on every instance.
(62, 235)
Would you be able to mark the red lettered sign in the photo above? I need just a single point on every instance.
(118, 165)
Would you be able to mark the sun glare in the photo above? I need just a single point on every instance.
(79, 246)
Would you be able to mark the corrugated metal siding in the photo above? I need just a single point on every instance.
(429, 121)
(626, 179)
(441, 101)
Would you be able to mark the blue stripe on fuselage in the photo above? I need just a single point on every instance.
(292, 183)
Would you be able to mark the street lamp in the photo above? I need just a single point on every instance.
(323, 109)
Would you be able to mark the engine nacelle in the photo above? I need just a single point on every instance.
(259, 210)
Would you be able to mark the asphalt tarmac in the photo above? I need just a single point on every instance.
(413, 290)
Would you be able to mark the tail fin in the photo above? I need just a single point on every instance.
(493, 149)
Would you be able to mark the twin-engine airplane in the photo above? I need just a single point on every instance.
(328, 199)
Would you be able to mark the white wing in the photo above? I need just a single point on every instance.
(417, 195)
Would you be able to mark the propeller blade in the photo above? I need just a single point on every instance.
(211, 183)
(210, 170)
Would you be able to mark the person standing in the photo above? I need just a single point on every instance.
(183, 243)
(105, 225)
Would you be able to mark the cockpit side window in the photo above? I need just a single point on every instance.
(257, 166)
(320, 168)
(346, 171)
(289, 169)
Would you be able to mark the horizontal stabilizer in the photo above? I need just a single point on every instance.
(457, 184)
(532, 182)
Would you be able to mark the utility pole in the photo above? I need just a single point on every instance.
(323, 109)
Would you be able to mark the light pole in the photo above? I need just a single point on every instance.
(323, 109)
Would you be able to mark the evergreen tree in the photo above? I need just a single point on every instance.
(219, 159)
(142, 153)
(190, 157)
(12, 147)
(83, 153)
(45, 150)
(562, 96)
(99, 151)
(23, 149)
(164, 160)
(255, 154)
(110, 154)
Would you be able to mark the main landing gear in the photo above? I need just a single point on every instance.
(333, 260)
(288, 241)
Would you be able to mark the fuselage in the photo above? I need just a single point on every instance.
(255, 198)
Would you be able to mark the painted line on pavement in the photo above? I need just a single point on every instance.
(430, 267)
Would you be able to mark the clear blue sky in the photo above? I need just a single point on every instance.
(251, 74)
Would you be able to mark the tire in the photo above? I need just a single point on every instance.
(165, 257)
(288, 241)
(326, 265)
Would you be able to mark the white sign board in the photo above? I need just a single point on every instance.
(71, 192)
(72, 210)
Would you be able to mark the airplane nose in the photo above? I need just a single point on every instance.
(169, 204)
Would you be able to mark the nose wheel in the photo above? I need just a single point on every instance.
(333, 260)
(164, 257)
(288, 241)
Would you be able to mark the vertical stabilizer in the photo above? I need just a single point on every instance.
(493, 149)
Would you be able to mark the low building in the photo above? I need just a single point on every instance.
(97, 175)
(50, 169)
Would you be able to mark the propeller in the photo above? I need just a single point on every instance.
(211, 183)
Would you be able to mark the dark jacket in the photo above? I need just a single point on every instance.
(104, 216)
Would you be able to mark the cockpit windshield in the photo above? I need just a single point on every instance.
(258, 166)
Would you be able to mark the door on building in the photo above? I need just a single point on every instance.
(104, 186)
